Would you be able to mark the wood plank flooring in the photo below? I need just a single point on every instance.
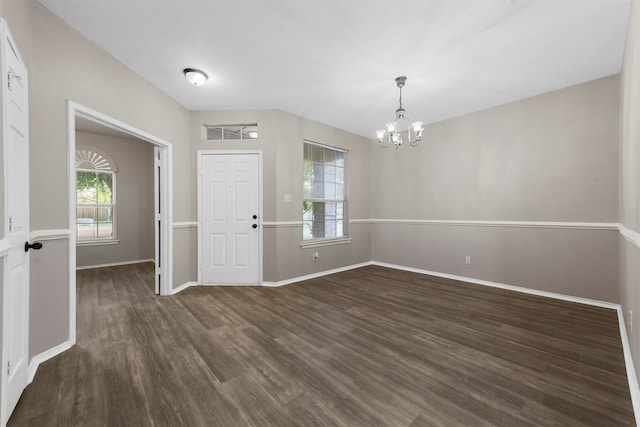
(366, 347)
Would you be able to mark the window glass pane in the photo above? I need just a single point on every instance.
(86, 227)
(330, 173)
(104, 185)
(86, 187)
(318, 190)
(330, 228)
(340, 210)
(105, 222)
(318, 172)
(339, 229)
(316, 154)
(307, 230)
(340, 175)
(307, 211)
(339, 158)
(307, 185)
(330, 210)
(329, 190)
(214, 134)
(329, 156)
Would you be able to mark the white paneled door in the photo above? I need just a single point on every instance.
(16, 186)
(229, 215)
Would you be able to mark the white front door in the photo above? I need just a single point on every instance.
(229, 215)
(16, 186)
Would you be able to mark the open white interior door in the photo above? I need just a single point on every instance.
(159, 185)
(15, 292)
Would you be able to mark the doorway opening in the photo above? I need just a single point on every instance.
(104, 223)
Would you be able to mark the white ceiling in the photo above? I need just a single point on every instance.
(335, 61)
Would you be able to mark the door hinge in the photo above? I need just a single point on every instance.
(9, 368)
(10, 222)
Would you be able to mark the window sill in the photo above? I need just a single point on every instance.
(97, 242)
(325, 242)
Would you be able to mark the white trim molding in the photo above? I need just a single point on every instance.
(185, 224)
(104, 242)
(44, 235)
(314, 243)
(634, 389)
(597, 303)
(114, 264)
(513, 224)
(281, 224)
(632, 237)
(183, 287)
(5, 247)
(314, 275)
(44, 356)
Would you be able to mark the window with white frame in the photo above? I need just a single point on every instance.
(324, 204)
(95, 196)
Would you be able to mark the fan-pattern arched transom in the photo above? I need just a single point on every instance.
(92, 159)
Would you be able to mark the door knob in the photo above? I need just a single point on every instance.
(35, 246)
(254, 226)
(255, 217)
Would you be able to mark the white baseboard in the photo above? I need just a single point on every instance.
(634, 389)
(597, 303)
(183, 287)
(314, 275)
(44, 356)
(114, 264)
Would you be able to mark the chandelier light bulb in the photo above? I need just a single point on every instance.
(417, 127)
(391, 127)
(380, 133)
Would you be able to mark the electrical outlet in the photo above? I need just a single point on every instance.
(316, 255)
(467, 260)
(287, 198)
(630, 320)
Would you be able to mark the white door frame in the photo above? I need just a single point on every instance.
(199, 196)
(165, 243)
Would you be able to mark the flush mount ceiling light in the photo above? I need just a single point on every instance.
(401, 129)
(195, 77)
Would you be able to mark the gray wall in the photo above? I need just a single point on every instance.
(281, 138)
(63, 65)
(551, 157)
(134, 201)
(630, 179)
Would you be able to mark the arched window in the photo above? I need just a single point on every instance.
(95, 196)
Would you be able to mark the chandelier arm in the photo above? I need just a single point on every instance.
(382, 143)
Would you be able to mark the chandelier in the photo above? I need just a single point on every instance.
(401, 129)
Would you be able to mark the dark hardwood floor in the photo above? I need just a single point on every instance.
(366, 347)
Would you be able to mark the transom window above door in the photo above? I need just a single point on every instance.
(95, 197)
